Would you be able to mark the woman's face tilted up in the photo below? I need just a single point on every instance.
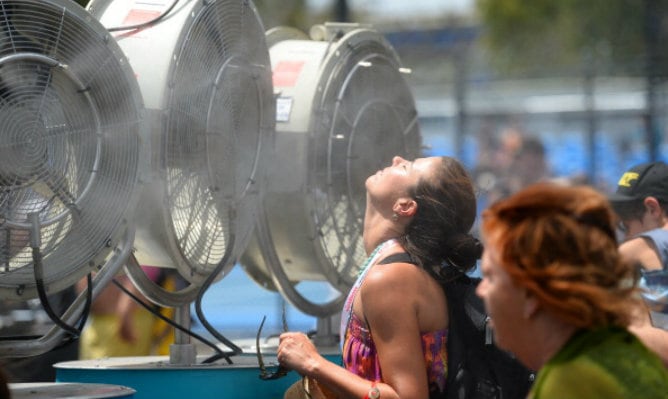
(396, 180)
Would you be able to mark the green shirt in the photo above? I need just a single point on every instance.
(608, 363)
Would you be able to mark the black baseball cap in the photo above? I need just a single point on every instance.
(644, 180)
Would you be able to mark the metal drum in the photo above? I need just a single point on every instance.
(49, 390)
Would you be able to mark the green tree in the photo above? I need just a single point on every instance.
(283, 13)
(619, 35)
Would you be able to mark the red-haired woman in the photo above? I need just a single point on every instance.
(560, 296)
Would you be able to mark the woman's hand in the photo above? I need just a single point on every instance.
(297, 352)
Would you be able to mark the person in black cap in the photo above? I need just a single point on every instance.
(641, 202)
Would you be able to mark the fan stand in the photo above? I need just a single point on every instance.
(179, 375)
(182, 351)
(45, 343)
(326, 331)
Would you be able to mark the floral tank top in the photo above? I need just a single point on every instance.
(359, 351)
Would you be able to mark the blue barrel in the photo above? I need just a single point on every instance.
(154, 377)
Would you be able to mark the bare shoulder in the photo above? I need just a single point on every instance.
(641, 250)
(405, 278)
(631, 247)
(398, 275)
(403, 291)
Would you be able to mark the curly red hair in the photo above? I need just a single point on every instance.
(559, 242)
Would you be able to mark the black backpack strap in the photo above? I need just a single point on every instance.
(399, 257)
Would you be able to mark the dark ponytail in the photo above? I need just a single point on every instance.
(439, 234)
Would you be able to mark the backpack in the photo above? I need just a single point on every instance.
(477, 369)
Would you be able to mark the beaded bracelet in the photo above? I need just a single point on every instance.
(374, 392)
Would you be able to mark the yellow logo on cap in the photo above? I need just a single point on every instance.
(627, 178)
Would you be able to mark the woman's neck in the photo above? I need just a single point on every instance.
(377, 230)
(550, 337)
(374, 237)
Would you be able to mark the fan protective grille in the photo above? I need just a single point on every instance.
(70, 125)
(220, 116)
(362, 122)
(348, 110)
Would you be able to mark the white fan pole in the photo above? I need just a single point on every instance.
(182, 351)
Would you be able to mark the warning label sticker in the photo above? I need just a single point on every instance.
(283, 108)
(286, 73)
(136, 17)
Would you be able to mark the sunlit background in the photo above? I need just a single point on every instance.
(519, 91)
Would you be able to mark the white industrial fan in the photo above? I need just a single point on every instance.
(343, 110)
(72, 151)
(204, 71)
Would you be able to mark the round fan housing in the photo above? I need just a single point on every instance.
(72, 142)
(204, 70)
(344, 110)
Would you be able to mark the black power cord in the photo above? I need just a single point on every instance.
(200, 315)
(164, 318)
(41, 291)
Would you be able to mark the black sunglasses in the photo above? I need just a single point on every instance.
(280, 371)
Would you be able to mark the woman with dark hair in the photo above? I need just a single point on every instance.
(395, 319)
(560, 296)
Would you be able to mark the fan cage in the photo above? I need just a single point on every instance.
(71, 121)
(311, 222)
(205, 73)
(359, 124)
(220, 117)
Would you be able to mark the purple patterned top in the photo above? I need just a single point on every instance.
(361, 358)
